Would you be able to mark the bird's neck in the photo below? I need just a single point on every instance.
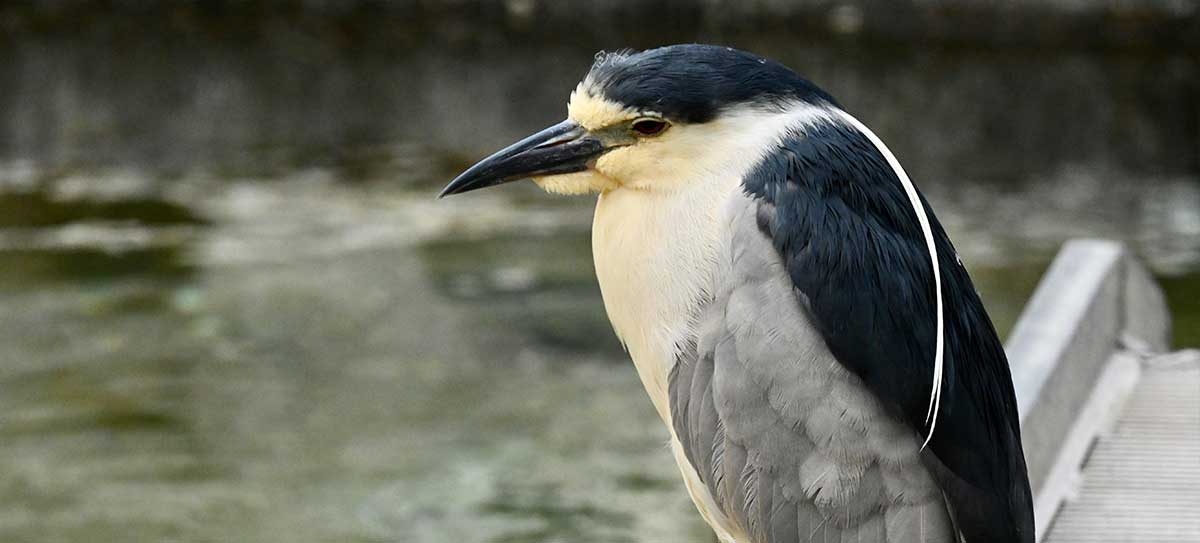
(655, 253)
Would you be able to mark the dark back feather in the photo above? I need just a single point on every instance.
(853, 248)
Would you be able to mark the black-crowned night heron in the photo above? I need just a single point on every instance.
(800, 319)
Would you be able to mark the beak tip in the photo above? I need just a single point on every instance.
(560, 148)
(452, 188)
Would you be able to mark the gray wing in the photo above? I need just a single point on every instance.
(791, 445)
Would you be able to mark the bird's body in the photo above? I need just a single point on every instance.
(793, 452)
(770, 269)
(685, 271)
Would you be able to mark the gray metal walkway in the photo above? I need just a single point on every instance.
(1110, 417)
(1141, 482)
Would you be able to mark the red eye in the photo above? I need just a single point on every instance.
(649, 127)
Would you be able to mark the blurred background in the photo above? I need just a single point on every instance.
(231, 309)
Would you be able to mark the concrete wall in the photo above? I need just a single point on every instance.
(1095, 302)
(962, 94)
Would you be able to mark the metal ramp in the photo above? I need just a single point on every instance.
(1110, 417)
(1141, 481)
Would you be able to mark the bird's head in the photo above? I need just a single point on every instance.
(651, 121)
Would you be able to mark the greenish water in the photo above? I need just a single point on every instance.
(231, 310)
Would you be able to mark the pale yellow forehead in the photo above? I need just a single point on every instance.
(593, 111)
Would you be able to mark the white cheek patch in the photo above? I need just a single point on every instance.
(621, 163)
(725, 147)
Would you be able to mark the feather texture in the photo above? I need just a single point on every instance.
(853, 247)
(789, 443)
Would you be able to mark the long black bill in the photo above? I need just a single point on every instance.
(563, 148)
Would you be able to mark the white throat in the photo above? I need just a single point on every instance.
(655, 249)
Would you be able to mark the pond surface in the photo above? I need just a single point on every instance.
(231, 310)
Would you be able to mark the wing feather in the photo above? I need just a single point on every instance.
(797, 447)
(803, 401)
(839, 211)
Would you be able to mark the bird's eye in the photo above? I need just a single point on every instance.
(649, 127)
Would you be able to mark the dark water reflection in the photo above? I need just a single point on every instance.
(231, 310)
